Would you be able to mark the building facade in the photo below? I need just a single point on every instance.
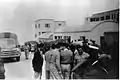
(104, 16)
(95, 26)
(59, 24)
(47, 26)
(99, 24)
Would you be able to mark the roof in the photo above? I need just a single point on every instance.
(60, 21)
(82, 28)
(43, 19)
(89, 26)
(113, 10)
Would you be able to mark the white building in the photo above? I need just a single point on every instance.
(95, 26)
(101, 23)
(43, 28)
(59, 24)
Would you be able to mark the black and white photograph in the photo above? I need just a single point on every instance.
(59, 39)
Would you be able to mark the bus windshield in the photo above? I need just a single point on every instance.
(7, 43)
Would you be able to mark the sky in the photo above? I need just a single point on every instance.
(17, 16)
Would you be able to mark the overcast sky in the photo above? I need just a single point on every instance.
(18, 15)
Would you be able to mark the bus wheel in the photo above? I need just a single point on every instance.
(18, 59)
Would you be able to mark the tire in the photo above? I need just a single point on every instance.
(18, 59)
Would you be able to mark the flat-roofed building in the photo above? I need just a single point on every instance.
(44, 27)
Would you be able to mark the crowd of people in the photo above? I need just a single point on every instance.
(63, 60)
(66, 60)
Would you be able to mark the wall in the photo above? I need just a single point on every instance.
(63, 24)
(42, 26)
(97, 31)
(101, 28)
(76, 36)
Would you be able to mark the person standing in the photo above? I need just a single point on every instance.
(80, 59)
(53, 69)
(26, 51)
(47, 66)
(2, 69)
(37, 62)
(66, 60)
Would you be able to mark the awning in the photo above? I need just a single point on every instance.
(46, 36)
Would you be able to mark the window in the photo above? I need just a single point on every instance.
(59, 24)
(97, 19)
(117, 17)
(107, 17)
(82, 37)
(47, 25)
(35, 25)
(43, 32)
(39, 25)
(92, 19)
(66, 37)
(55, 37)
(39, 33)
(113, 16)
(102, 18)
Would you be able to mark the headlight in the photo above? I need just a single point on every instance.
(3, 50)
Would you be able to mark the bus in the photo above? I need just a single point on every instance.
(9, 46)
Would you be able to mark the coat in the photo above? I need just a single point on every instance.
(2, 70)
(37, 61)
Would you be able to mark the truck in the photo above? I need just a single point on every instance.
(9, 46)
